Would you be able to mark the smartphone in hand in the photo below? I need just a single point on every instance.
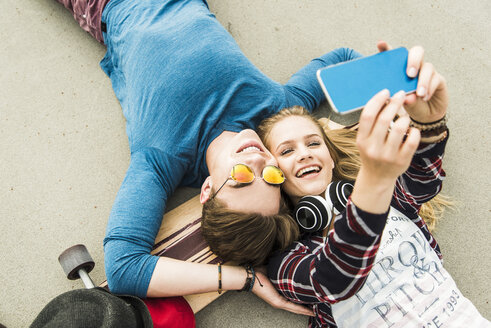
(350, 85)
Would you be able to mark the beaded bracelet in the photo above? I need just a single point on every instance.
(219, 278)
(434, 139)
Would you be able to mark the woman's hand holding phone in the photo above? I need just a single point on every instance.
(386, 149)
(430, 102)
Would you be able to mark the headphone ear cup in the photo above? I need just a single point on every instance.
(313, 213)
(338, 193)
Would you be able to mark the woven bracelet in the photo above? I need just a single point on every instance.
(247, 283)
(441, 123)
(253, 279)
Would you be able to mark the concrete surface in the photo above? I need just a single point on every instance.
(64, 150)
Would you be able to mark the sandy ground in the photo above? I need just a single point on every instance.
(64, 150)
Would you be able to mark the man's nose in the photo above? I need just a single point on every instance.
(255, 160)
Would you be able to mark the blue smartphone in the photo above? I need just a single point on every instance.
(350, 85)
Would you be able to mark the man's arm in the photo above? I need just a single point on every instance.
(303, 89)
(134, 222)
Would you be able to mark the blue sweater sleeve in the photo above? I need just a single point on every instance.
(135, 220)
(303, 89)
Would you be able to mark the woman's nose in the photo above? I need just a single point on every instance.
(303, 154)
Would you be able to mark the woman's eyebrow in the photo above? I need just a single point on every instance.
(312, 135)
(286, 142)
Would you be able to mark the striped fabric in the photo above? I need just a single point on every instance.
(322, 271)
(180, 238)
(186, 244)
(88, 14)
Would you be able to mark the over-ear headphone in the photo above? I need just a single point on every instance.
(314, 213)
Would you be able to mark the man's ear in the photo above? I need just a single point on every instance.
(206, 190)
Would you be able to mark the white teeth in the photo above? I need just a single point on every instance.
(250, 148)
(308, 169)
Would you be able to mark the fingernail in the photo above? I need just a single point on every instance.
(385, 92)
(400, 95)
(412, 72)
(421, 91)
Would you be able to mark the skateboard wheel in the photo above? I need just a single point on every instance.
(74, 259)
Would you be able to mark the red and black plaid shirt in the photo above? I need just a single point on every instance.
(319, 272)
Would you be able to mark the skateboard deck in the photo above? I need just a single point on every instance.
(180, 238)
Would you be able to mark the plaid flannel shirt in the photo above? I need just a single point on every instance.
(321, 271)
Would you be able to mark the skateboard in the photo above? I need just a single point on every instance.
(179, 237)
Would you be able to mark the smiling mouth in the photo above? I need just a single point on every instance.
(249, 148)
(308, 171)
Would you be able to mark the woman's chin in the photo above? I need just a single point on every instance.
(306, 187)
(315, 186)
(313, 189)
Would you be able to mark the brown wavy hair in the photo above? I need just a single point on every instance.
(342, 148)
(246, 238)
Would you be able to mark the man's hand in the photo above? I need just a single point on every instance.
(270, 295)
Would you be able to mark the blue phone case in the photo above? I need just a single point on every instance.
(350, 85)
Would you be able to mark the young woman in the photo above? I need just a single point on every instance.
(378, 266)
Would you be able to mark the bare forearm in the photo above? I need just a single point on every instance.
(176, 278)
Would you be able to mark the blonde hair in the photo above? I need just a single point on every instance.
(246, 238)
(341, 144)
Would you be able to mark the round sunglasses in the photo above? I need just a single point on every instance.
(242, 173)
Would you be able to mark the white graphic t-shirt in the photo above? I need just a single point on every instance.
(407, 286)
